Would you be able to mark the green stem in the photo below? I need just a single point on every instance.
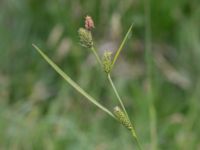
(149, 62)
(116, 93)
(96, 55)
(133, 131)
(136, 139)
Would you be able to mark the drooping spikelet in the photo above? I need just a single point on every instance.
(85, 38)
(119, 114)
(107, 61)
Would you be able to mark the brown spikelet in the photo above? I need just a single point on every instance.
(89, 23)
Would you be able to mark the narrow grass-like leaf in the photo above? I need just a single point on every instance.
(122, 45)
(72, 83)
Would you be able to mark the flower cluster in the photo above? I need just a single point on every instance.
(85, 34)
(122, 118)
(85, 38)
(107, 61)
(89, 23)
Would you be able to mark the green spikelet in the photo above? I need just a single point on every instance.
(107, 61)
(85, 38)
(119, 114)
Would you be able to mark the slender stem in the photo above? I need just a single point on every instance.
(149, 61)
(136, 139)
(133, 131)
(96, 55)
(116, 93)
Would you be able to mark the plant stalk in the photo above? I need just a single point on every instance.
(149, 62)
(116, 93)
(96, 55)
(133, 131)
(136, 139)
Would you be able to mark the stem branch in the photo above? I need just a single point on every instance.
(96, 55)
(133, 131)
(116, 93)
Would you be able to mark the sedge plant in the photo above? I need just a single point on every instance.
(107, 63)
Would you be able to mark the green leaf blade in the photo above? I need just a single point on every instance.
(71, 82)
(122, 45)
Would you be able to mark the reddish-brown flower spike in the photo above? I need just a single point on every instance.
(89, 24)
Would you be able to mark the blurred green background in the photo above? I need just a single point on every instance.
(38, 110)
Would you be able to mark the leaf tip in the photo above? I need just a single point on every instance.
(34, 45)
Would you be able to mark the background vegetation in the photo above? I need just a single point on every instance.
(38, 110)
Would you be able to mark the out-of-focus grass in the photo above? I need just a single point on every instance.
(39, 111)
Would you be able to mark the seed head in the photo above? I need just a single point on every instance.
(85, 38)
(107, 61)
(89, 24)
(119, 114)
